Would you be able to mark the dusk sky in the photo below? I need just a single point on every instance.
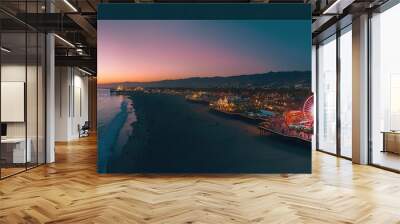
(152, 50)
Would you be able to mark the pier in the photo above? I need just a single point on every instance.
(264, 131)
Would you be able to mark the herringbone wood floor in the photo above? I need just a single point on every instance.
(70, 191)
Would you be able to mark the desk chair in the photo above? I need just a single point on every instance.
(84, 130)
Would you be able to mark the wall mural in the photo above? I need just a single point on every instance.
(222, 88)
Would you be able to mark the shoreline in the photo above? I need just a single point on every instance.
(108, 138)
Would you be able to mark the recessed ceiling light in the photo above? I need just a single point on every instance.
(70, 5)
(337, 7)
(64, 40)
(84, 71)
(5, 50)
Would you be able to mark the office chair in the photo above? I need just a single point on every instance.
(84, 130)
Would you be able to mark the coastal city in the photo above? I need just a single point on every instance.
(285, 112)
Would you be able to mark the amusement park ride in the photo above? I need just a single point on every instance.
(301, 118)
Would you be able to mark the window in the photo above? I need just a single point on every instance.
(346, 92)
(385, 89)
(327, 95)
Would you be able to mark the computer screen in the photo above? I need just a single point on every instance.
(3, 129)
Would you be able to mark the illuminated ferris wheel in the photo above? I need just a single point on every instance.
(308, 108)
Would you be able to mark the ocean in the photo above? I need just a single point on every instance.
(114, 125)
(160, 133)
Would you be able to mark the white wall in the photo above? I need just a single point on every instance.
(61, 114)
(71, 102)
(80, 105)
(16, 72)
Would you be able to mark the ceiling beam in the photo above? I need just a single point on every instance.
(78, 61)
(86, 26)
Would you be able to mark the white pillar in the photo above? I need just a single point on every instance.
(50, 92)
(50, 99)
(360, 89)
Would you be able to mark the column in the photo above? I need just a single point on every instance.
(50, 92)
(360, 90)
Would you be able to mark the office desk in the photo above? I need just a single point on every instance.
(391, 141)
(16, 146)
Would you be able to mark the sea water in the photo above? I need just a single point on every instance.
(115, 116)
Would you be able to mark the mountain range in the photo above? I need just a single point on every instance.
(284, 79)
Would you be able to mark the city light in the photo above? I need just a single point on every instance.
(276, 111)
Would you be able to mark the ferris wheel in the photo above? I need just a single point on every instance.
(308, 108)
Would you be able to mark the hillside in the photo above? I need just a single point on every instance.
(270, 80)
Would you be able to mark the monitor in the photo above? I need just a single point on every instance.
(3, 129)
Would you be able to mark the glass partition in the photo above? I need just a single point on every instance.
(326, 131)
(41, 97)
(31, 97)
(22, 88)
(14, 154)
